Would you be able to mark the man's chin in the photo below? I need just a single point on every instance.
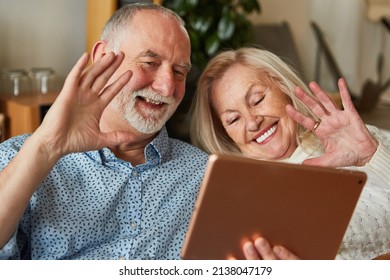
(147, 122)
(147, 128)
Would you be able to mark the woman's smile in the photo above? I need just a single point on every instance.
(263, 136)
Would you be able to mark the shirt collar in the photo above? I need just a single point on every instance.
(156, 152)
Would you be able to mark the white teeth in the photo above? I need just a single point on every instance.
(267, 134)
(152, 101)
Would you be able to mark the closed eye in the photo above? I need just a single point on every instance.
(258, 101)
(231, 121)
(180, 75)
(150, 63)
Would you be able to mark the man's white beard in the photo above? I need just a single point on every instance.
(147, 121)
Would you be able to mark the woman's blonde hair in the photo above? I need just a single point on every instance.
(206, 130)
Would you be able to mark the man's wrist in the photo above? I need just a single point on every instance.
(47, 148)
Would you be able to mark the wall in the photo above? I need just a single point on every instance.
(296, 13)
(52, 33)
(42, 33)
(354, 40)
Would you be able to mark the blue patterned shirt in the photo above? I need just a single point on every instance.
(93, 205)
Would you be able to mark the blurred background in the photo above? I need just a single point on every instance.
(322, 39)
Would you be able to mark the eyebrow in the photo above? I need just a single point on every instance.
(149, 53)
(248, 94)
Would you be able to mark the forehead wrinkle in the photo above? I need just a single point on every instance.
(149, 53)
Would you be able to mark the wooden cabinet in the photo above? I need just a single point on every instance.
(98, 12)
(23, 114)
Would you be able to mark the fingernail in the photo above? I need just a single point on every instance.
(261, 242)
(249, 248)
(278, 251)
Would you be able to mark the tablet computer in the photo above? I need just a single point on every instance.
(307, 209)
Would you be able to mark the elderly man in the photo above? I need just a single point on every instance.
(100, 178)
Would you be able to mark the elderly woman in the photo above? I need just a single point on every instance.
(249, 102)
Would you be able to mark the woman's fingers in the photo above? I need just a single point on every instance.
(283, 254)
(345, 95)
(265, 249)
(323, 97)
(261, 249)
(298, 117)
(311, 103)
(250, 252)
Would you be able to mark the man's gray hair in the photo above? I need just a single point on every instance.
(117, 27)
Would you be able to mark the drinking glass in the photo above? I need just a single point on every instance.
(15, 81)
(42, 79)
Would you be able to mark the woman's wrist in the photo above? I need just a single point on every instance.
(369, 152)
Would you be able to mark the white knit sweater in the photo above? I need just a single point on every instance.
(368, 234)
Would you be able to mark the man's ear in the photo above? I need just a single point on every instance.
(99, 50)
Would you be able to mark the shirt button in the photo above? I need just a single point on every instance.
(133, 225)
(134, 173)
(121, 258)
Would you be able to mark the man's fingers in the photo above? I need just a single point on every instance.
(75, 74)
(113, 89)
(101, 80)
(95, 70)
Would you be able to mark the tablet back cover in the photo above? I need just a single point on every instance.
(306, 209)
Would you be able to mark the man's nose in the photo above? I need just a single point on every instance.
(164, 82)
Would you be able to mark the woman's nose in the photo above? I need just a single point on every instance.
(253, 122)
